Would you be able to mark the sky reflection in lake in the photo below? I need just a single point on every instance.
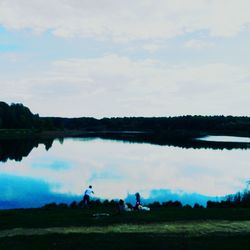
(225, 139)
(117, 169)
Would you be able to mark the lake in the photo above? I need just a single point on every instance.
(226, 139)
(118, 169)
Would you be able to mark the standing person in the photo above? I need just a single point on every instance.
(87, 194)
(138, 201)
(138, 198)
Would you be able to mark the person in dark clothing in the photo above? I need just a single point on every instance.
(138, 198)
(138, 201)
(123, 207)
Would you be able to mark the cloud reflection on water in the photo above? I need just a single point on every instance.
(23, 192)
(117, 169)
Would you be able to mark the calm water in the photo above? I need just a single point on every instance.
(225, 139)
(117, 170)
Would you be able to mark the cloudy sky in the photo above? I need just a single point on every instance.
(106, 58)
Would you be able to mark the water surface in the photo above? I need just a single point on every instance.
(118, 169)
(225, 139)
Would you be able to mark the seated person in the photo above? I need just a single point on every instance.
(122, 207)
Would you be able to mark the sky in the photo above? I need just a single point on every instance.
(110, 58)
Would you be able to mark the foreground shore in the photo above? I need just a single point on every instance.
(105, 228)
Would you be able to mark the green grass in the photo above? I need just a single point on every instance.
(125, 241)
(190, 228)
(161, 228)
(30, 218)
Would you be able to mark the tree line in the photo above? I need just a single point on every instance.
(17, 116)
(238, 200)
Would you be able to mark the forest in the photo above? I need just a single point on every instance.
(17, 116)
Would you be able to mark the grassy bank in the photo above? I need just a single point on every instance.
(59, 217)
(172, 235)
(125, 241)
(161, 228)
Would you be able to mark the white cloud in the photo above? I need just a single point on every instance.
(153, 47)
(198, 44)
(118, 86)
(126, 20)
(10, 57)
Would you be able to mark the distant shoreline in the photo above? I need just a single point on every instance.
(169, 138)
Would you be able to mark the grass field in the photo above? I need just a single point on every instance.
(161, 228)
